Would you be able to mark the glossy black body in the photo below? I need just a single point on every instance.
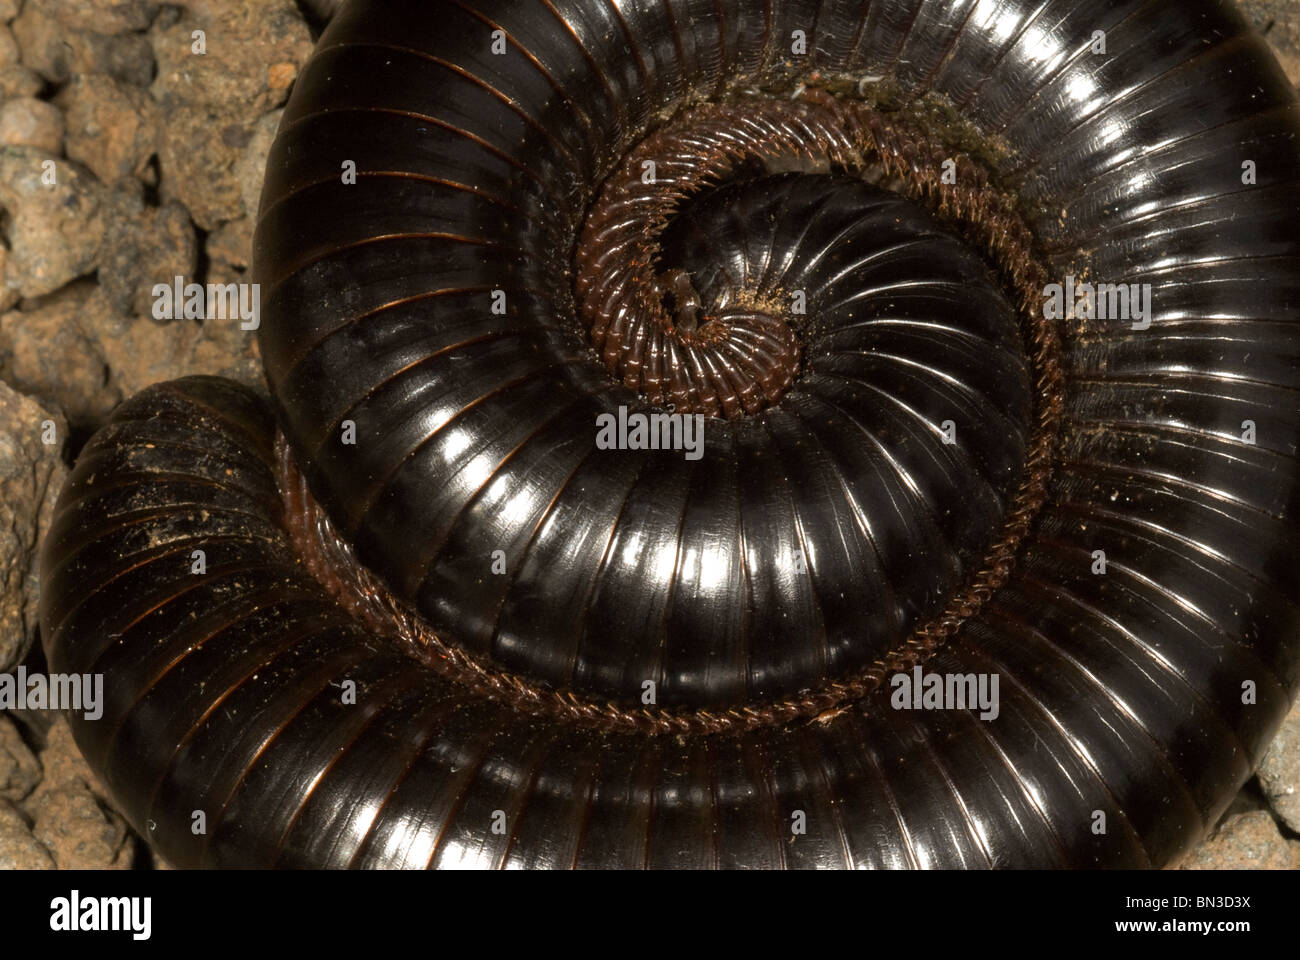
(1120, 693)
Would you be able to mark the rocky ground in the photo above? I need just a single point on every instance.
(156, 154)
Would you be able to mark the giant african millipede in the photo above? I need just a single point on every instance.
(438, 623)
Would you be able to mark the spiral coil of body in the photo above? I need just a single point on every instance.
(826, 539)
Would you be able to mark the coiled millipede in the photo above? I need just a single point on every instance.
(461, 615)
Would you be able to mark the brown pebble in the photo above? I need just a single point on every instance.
(111, 126)
(232, 244)
(254, 49)
(250, 169)
(101, 16)
(198, 157)
(281, 75)
(45, 352)
(78, 831)
(18, 81)
(1244, 841)
(58, 53)
(56, 222)
(1279, 771)
(9, 52)
(143, 246)
(19, 849)
(28, 122)
(31, 474)
(19, 769)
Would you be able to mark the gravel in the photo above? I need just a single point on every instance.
(28, 122)
(112, 127)
(1245, 841)
(19, 848)
(56, 220)
(70, 817)
(1279, 22)
(20, 771)
(57, 53)
(1279, 772)
(47, 352)
(31, 474)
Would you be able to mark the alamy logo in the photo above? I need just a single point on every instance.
(217, 301)
(1103, 301)
(75, 912)
(652, 431)
(58, 691)
(945, 691)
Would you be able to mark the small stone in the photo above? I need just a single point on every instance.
(224, 348)
(9, 297)
(1279, 21)
(31, 475)
(1279, 771)
(231, 245)
(56, 52)
(70, 812)
(80, 352)
(19, 769)
(140, 352)
(1245, 841)
(62, 761)
(112, 126)
(253, 53)
(28, 122)
(280, 76)
(78, 831)
(56, 224)
(9, 52)
(198, 158)
(102, 16)
(143, 246)
(251, 169)
(18, 81)
(9, 9)
(19, 849)
(45, 352)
